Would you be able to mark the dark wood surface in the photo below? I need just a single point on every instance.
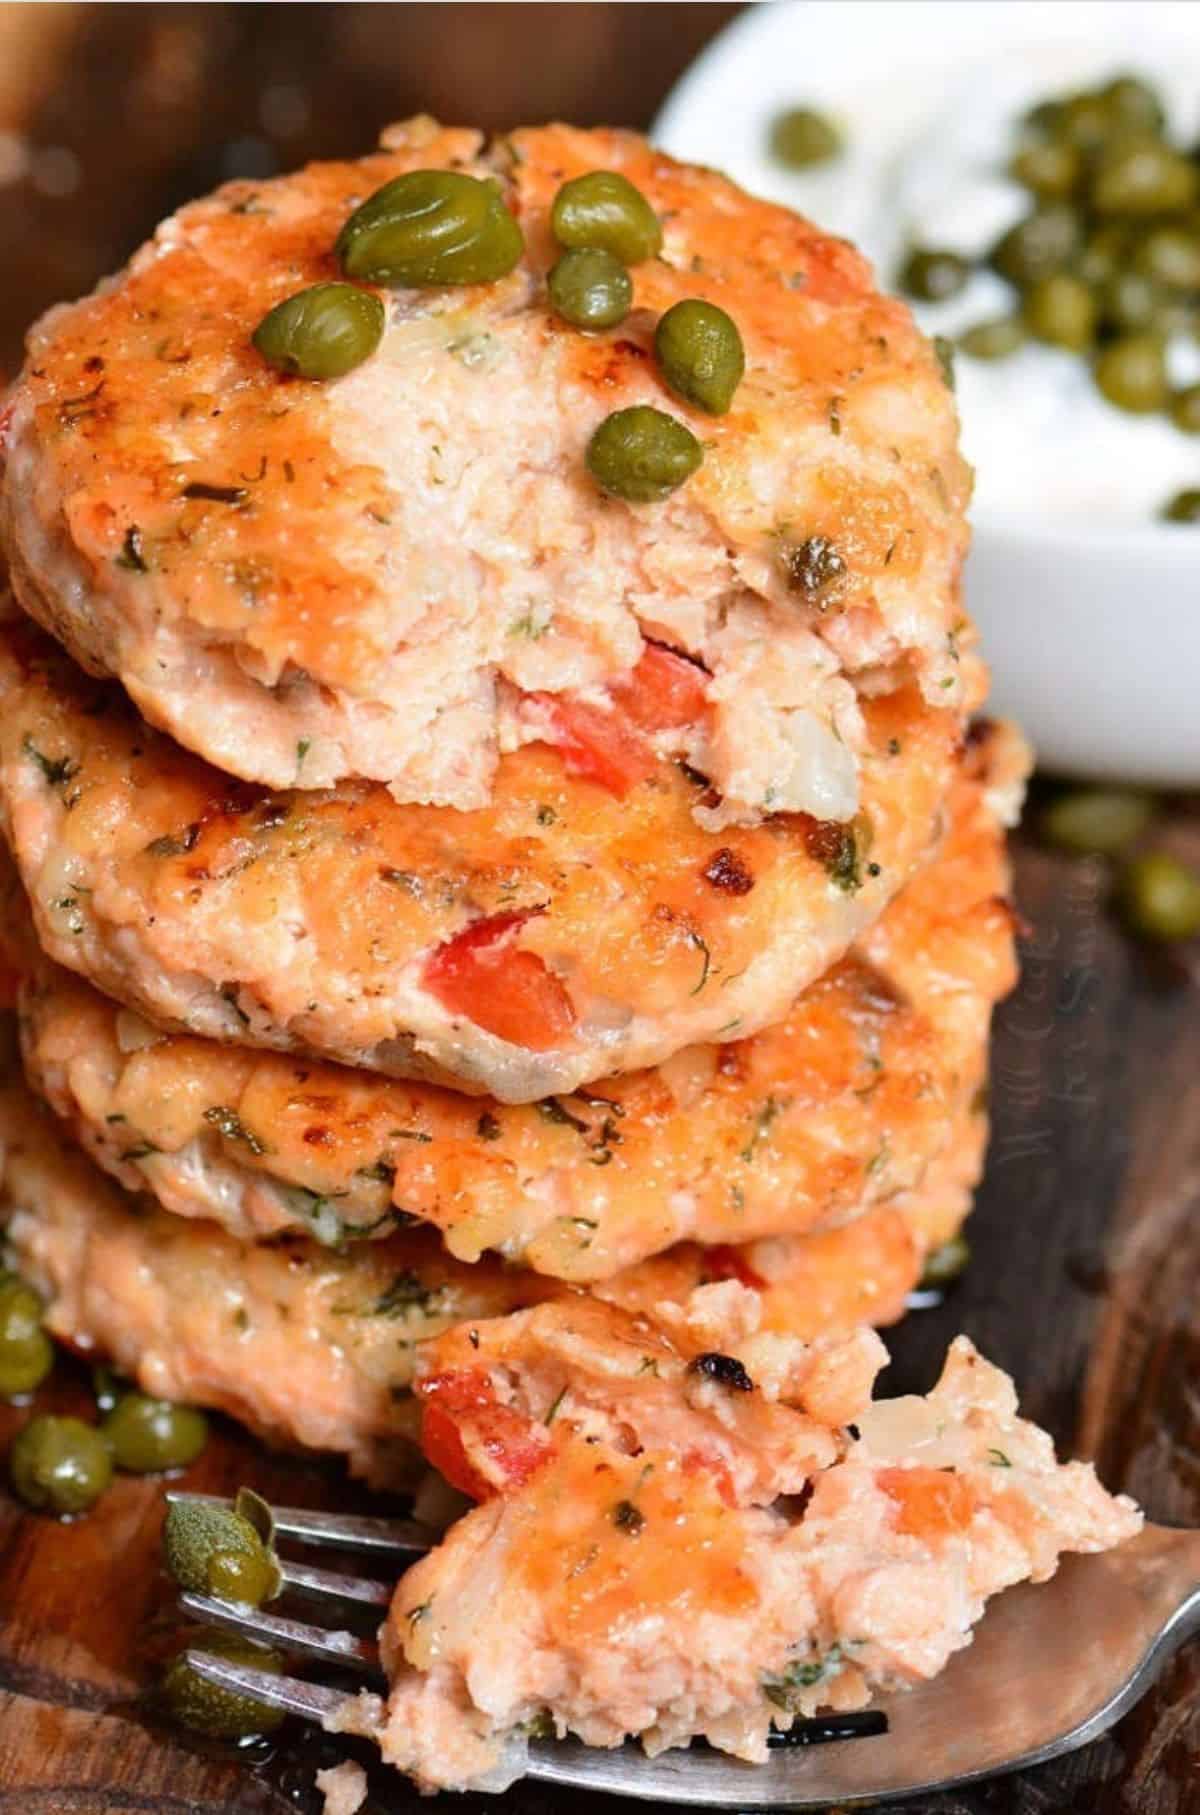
(1087, 1236)
(1084, 1278)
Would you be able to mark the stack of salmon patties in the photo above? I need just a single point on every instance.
(496, 827)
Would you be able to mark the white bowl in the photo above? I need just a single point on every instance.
(1091, 624)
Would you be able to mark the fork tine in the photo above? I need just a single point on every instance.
(332, 1585)
(344, 1648)
(310, 1700)
(344, 1531)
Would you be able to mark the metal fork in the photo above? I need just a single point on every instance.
(1051, 1668)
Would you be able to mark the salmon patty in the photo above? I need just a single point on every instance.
(315, 1347)
(844, 1102)
(398, 574)
(557, 936)
(675, 1542)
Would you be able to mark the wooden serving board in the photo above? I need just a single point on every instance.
(1083, 1284)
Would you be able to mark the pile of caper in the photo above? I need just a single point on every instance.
(1156, 894)
(433, 227)
(63, 1465)
(1106, 262)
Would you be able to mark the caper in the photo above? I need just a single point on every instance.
(1103, 254)
(223, 1713)
(1132, 373)
(1185, 409)
(148, 1436)
(431, 227)
(214, 1550)
(323, 332)
(1049, 168)
(944, 1264)
(1143, 176)
(1184, 507)
(604, 209)
(1085, 120)
(701, 355)
(1131, 303)
(801, 137)
(1159, 897)
(642, 455)
(1096, 822)
(932, 274)
(590, 288)
(1170, 255)
(995, 339)
(59, 1465)
(1043, 242)
(1061, 309)
(26, 1352)
(1132, 102)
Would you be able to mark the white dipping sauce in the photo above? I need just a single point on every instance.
(924, 163)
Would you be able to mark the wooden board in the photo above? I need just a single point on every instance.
(1084, 1284)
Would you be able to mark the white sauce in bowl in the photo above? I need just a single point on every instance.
(927, 141)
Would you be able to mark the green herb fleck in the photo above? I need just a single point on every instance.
(56, 770)
(551, 1110)
(762, 1124)
(132, 557)
(406, 1293)
(785, 1690)
(998, 1459)
(227, 1122)
(487, 1127)
(627, 1518)
(175, 844)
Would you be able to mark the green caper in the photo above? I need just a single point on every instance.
(148, 1436)
(932, 274)
(944, 1264)
(59, 1465)
(642, 455)
(1096, 822)
(214, 1550)
(701, 355)
(995, 339)
(1132, 102)
(1048, 168)
(1086, 120)
(604, 209)
(1185, 409)
(323, 332)
(1170, 255)
(1132, 373)
(1140, 176)
(1131, 303)
(1043, 242)
(1103, 254)
(802, 137)
(1184, 507)
(1159, 897)
(590, 288)
(1061, 309)
(26, 1352)
(430, 227)
(223, 1713)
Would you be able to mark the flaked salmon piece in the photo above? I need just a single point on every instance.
(385, 577)
(674, 1542)
(315, 1347)
(846, 1101)
(559, 935)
